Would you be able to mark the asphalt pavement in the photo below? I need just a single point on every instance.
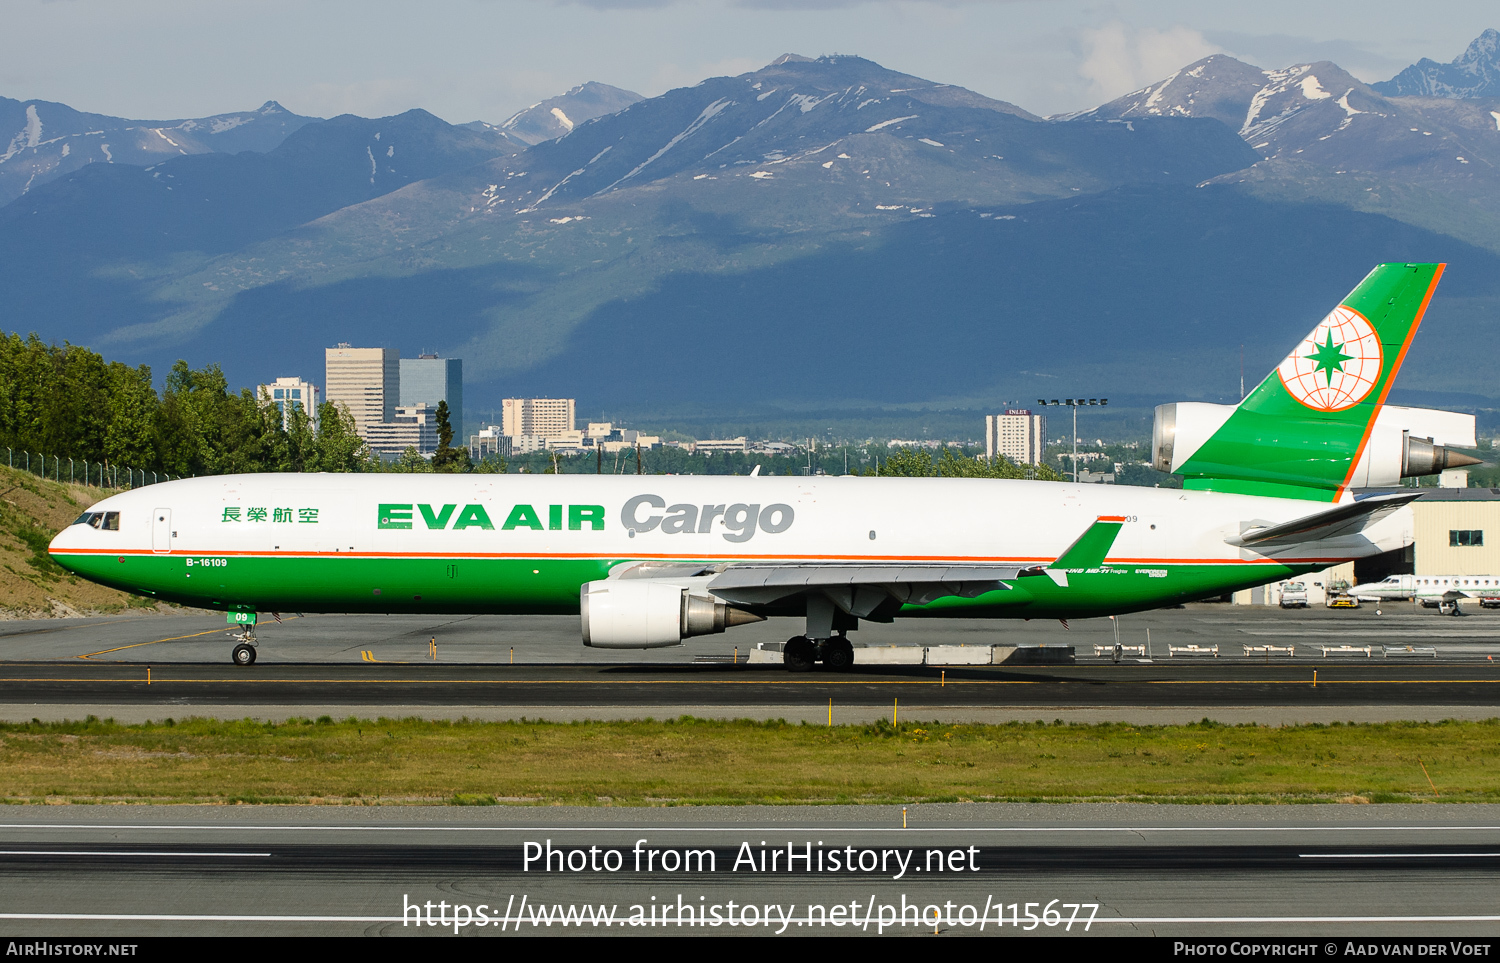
(1322, 666)
(970, 869)
(497, 640)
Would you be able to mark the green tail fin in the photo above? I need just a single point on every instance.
(1301, 432)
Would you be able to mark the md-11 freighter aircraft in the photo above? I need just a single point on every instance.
(649, 561)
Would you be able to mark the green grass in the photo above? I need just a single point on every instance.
(692, 761)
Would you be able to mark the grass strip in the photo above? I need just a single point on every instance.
(691, 761)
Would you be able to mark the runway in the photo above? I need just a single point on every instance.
(1334, 871)
(494, 667)
(1101, 870)
(503, 640)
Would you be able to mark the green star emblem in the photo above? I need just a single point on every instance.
(1329, 358)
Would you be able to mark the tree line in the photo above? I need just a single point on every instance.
(64, 400)
(68, 401)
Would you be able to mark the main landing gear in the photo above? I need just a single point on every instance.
(244, 652)
(800, 653)
(821, 644)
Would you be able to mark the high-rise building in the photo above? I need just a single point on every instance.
(1018, 435)
(428, 380)
(491, 440)
(289, 394)
(412, 426)
(364, 380)
(543, 417)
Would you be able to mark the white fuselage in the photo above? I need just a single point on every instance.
(1429, 587)
(724, 518)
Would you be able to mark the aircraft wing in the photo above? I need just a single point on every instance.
(863, 588)
(1350, 519)
(860, 587)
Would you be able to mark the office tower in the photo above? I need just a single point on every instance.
(364, 380)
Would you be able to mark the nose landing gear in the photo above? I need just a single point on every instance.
(244, 652)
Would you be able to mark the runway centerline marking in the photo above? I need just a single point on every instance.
(1395, 855)
(112, 827)
(102, 852)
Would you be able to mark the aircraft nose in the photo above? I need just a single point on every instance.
(57, 545)
(58, 549)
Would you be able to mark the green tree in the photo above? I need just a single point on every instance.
(447, 458)
(338, 447)
(411, 460)
(906, 463)
(131, 415)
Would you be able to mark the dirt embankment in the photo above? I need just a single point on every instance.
(32, 510)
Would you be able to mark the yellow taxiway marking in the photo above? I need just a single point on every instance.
(369, 656)
(136, 645)
(175, 638)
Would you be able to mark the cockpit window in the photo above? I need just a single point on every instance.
(111, 522)
(104, 521)
(87, 518)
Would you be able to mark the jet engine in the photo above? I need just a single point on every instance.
(1403, 442)
(1180, 429)
(649, 614)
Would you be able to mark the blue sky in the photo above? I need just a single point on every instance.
(484, 59)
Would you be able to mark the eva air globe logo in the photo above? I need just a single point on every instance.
(1337, 365)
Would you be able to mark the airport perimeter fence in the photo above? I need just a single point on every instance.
(98, 473)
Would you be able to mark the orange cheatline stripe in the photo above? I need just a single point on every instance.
(558, 556)
(1391, 380)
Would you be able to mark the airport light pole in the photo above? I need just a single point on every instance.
(1075, 404)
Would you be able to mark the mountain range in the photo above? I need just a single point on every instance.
(817, 234)
(1473, 73)
(52, 140)
(557, 116)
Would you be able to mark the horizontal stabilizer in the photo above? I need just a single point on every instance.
(1347, 519)
(1091, 547)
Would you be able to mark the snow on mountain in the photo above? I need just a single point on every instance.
(45, 140)
(1317, 121)
(1473, 74)
(796, 114)
(1219, 87)
(854, 211)
(557, 116)
(215, 202)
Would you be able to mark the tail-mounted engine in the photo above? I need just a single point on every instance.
(1403, 443)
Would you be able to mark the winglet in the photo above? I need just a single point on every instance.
(1089, 550)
